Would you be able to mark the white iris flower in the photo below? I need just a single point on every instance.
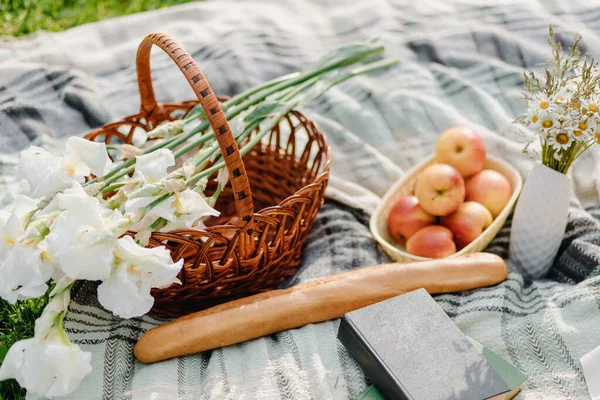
(48, 364)
(44, 173)
(152, 167)
(24, 269)
(126, 292)
(83, 237)
(182, 210)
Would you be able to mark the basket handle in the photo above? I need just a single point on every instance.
(211, 106)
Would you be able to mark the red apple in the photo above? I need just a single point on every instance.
(432, 241)
(468, 222)
(407, 217)
(440, 189)
(461, 148)
(489, 188)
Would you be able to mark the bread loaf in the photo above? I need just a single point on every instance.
(315, 301)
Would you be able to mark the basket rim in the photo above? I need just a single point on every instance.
(382, 211)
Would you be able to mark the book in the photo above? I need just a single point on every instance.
(512, 376)
(412, 350)
(370, 393)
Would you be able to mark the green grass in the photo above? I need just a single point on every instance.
(22, 17)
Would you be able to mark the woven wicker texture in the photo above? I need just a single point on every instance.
(241, 252)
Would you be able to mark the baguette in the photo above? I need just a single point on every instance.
(316, 301)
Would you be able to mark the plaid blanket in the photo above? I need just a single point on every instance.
(462, 63)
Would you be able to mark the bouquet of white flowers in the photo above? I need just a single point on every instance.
(563, 113)
(89, 213)
(563, 105)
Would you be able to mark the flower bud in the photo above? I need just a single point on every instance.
(135, 216)
(94, 188)
(118, 226)
(166, 130)
(44, 202)
(148, 190)
(127, 151)
(188, 170)
(201, 184)
(139, 137)
(143, 237)
(222, 177)
(130, 185)
(173, 185)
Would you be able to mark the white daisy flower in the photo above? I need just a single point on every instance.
(541, 105)
(583, 130)
(534, 122)
(590, 106)
(548, 122)
(565, 93)
(561, 140)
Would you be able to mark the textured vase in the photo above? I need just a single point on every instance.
(539, 221)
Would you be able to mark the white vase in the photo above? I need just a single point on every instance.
(539, 221)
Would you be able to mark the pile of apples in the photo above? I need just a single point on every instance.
(454, 200)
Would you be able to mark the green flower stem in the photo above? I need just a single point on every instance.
(190, 146)
(213, 199)
(568, 156)
(274, 120)
(204, 156)
(112, 187)
(158, 224)
(248, 98)
(289, 106)
(157, 201)
(290, 94)
(176, 154)
(166, 144)
(198, 111)
(278, 84)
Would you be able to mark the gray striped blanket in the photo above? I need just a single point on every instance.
(462, 63)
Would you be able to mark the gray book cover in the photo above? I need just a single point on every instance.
(412, 350)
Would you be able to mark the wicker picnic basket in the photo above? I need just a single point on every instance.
(243, 251)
